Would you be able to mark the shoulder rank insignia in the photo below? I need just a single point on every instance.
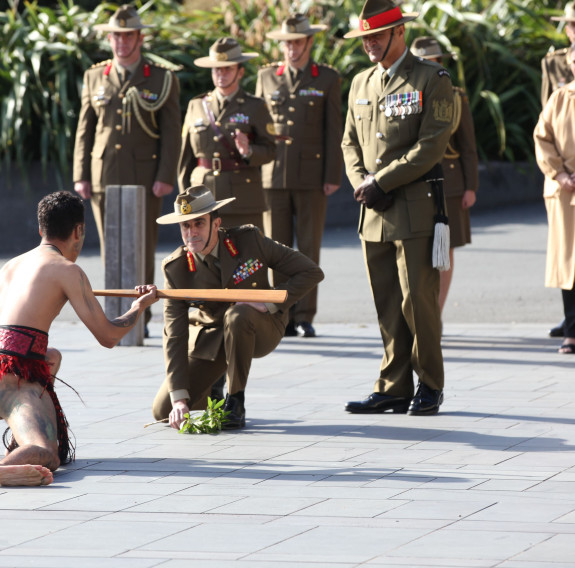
(444, 73)
(230, 246)
(246, 269)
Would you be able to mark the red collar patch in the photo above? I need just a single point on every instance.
(146, 70)
(314, 70)
(230, 246)
(281, 70)
(191, 262)
(107, 69)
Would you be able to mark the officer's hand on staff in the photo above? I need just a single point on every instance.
(159, 189)
(83, 189)
(179, 408)
(242, 142)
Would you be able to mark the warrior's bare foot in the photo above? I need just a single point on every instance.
(14, 475)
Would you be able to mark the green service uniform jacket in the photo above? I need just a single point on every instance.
(308, 122)
(400, 148)
(245, 256)
(115, 148)
(206, 159)
(555, 73)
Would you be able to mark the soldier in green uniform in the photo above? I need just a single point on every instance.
(304, 99)
(556, 72)
(128, 128)
(219, 337)
(460, 165)
(228, 134)
(397, 128)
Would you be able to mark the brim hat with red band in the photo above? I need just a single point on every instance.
(295, 27)
(125, 19)
(194, 202)
(224, 52)
(569, 14)
(379, 15)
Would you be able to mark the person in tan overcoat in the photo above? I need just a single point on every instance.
(219, 337)
(129, 128)
(460, 165)
(554, 142)
(228, 134)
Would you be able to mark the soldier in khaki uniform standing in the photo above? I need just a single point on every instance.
(304, 99)
(128, 128)
(220, 337)
(555, 73)
(460, 165)
(228, 134)
(397, 128)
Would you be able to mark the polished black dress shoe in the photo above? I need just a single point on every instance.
(290, 330)
(217, 392)
(237, 414)
(558, 330)
(426, 401)
(304, 329)
(377, 403)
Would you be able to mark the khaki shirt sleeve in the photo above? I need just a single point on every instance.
(85, 132)
(263, 145)
(333, 164)
(465, 141)
(548, 158)
(170, 126)
(187, 159)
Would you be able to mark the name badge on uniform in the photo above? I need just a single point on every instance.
(362, 102)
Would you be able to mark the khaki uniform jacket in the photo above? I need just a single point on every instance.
(308, 122)
(400, 149)
(199, 140)
(460, 163)
(245, 256)
(555, 73)
(554, 142)
(112, 148)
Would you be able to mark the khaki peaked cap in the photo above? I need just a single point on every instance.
(124, 19)
(194, 202)
(379, 15)
(428, 47)
(224, 52)
(296, 26)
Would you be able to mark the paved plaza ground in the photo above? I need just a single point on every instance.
(489, 482)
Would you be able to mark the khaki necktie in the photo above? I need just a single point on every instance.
(212, 264)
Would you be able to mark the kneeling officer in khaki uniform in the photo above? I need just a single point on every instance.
(218, 337)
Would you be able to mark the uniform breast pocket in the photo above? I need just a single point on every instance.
(363, 121)
(314, 110)
(200, 132)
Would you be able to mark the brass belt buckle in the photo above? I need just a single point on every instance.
(216, 166)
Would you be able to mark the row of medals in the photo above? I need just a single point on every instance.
(402, 104)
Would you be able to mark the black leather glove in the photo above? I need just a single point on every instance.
(372, 196)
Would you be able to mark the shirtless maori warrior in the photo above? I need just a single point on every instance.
(33, 289)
